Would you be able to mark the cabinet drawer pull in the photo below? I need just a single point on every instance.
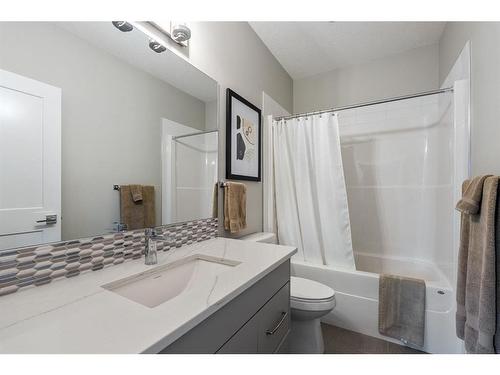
(280, 323)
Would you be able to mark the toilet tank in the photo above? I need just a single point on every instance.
(265, 237)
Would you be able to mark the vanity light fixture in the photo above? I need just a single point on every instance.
(159, 36)
(123, 26)
(165, 31)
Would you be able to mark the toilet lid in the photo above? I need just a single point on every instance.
(305, 289)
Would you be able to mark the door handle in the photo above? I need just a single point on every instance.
(49, 219)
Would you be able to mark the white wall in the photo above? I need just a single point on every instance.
(485, 86)
(111, 119)
(232, 54)
(405, 73)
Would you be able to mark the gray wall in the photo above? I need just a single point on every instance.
(232, 54)
(111, 116)
(485, 86)
(405, 73)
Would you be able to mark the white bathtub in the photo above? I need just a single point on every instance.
(357, 297)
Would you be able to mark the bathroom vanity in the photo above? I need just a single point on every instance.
(215, 296)
(257, 321)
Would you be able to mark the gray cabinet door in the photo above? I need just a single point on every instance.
(274, 321)
(266, 330)
(245, 341)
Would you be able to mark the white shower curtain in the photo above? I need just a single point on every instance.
(311, 197)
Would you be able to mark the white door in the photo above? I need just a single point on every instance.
(30, 161)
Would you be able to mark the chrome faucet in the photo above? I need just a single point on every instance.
(150, 238)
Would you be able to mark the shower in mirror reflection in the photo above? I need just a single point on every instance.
(189, 172)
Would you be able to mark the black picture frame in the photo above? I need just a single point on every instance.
(230, 175)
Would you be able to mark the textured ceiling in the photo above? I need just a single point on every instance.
(309, 48)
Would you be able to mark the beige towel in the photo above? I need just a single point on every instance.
(476, 278)
(235, 206)
(401, 309)
(148, 200)
(137, 214)
(215, 201)
(136, 191)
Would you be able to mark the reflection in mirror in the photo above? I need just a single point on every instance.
(189, 173)
(85, 107)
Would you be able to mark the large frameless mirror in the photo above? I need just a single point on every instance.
(100, 133)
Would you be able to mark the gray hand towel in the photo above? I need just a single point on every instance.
(401, 309)
(472, 193)
(496, 339)
(476, 278)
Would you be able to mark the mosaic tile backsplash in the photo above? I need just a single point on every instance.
(38, 265)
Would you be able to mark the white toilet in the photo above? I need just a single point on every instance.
(309, 301)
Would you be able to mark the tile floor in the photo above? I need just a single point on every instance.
(341, 341)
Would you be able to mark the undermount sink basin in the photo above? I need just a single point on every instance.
(160, 284)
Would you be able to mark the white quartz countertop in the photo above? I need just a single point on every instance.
(77, 315)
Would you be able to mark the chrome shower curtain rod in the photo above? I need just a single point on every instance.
(193, 134)
(365, 104)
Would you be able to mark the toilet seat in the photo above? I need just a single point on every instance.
(309, 295)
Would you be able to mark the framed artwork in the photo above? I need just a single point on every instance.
(243, 138)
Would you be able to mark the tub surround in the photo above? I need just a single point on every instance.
(78, 315)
